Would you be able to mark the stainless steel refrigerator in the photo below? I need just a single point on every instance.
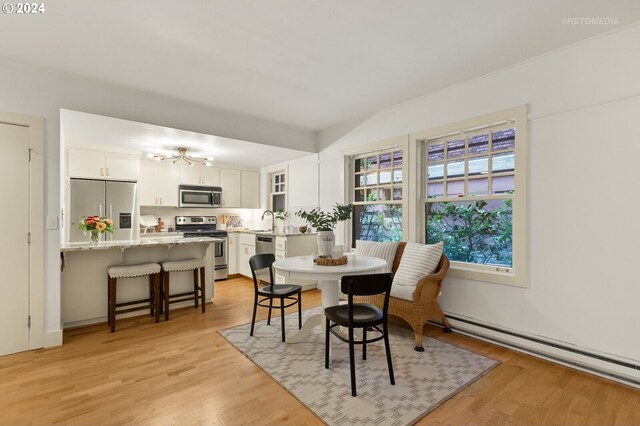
(113, 199)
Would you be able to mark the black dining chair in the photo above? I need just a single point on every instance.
(268, 291)
(360, 315)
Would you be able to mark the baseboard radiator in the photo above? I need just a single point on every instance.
(619, 370)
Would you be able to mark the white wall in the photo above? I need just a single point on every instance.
(302, 192)
(40, 92)
(303, 183)
(584, 122)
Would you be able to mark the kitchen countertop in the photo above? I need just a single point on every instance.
(143, 242)
(267, 232)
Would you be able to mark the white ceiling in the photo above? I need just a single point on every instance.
(80, 128)
(306, 63)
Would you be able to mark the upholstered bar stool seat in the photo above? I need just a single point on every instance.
(198, 293)
(132, 271)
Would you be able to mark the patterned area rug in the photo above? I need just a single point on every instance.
(424, 380)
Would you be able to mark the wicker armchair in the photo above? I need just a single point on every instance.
(425, 304)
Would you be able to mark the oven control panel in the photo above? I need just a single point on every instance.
(196, 220)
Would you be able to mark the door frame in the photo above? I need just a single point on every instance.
(36, 221)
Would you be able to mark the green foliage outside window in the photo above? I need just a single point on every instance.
(473, 232)
(378, 222)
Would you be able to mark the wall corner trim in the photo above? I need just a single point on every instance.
(53, 338)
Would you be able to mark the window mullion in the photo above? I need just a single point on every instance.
(466, 166)
(490, 164)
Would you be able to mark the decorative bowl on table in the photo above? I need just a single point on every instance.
(302, 229)
(330, 261)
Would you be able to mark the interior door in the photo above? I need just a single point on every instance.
(14, 248)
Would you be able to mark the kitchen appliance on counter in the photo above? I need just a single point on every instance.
(205, 226)
(113, 199)
(200, 196)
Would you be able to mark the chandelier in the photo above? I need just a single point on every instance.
(182, 156)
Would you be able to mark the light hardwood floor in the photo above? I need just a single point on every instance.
(182, 372)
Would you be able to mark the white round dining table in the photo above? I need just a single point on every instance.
(328, 277)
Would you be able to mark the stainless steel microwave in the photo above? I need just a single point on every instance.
(200, 196)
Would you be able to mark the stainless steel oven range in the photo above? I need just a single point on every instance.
(205, 226)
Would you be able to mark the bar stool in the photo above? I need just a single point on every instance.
(132, 271)
(183, 265)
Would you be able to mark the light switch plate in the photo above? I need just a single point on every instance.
(52, 222)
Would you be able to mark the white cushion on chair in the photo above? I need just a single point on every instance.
(381, 249)
(182, 265)
(130, 271)
(417, 261)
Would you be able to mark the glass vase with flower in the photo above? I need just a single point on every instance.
(94, 226)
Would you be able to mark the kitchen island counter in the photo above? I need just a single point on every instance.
(143, 242)
(268, 232)
(84, 273)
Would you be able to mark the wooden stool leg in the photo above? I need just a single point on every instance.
(113, 283)
(108, 300)
(195, 288)
(156, 296)
(166, 295)
(161, 296)
(202, 289)
(152, 296)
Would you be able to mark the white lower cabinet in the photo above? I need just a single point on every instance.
(232, 253)
(247, 248)
(295, 245)
(285, 246)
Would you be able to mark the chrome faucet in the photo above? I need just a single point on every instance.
(273, 221)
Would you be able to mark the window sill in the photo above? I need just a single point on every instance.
(487, 274)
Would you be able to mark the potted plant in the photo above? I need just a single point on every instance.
(324, 223)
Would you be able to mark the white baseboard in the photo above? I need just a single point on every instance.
(52, 338)
(140, 313)
(588, 360)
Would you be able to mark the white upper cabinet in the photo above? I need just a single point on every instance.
(199, 175)
(148, 183)
(158, 184)
(85, 163)
(189, 175)
(240, 188)
(250, 190)
(168, 184)
(210, 176)
(231, 183)
(122, 166)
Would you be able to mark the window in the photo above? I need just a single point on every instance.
(472, 196)
(377, 195)
(278, 191)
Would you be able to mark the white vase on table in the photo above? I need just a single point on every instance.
(326, 242)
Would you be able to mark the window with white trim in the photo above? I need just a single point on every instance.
(377, 195)
(278, 191)
(473, 198)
